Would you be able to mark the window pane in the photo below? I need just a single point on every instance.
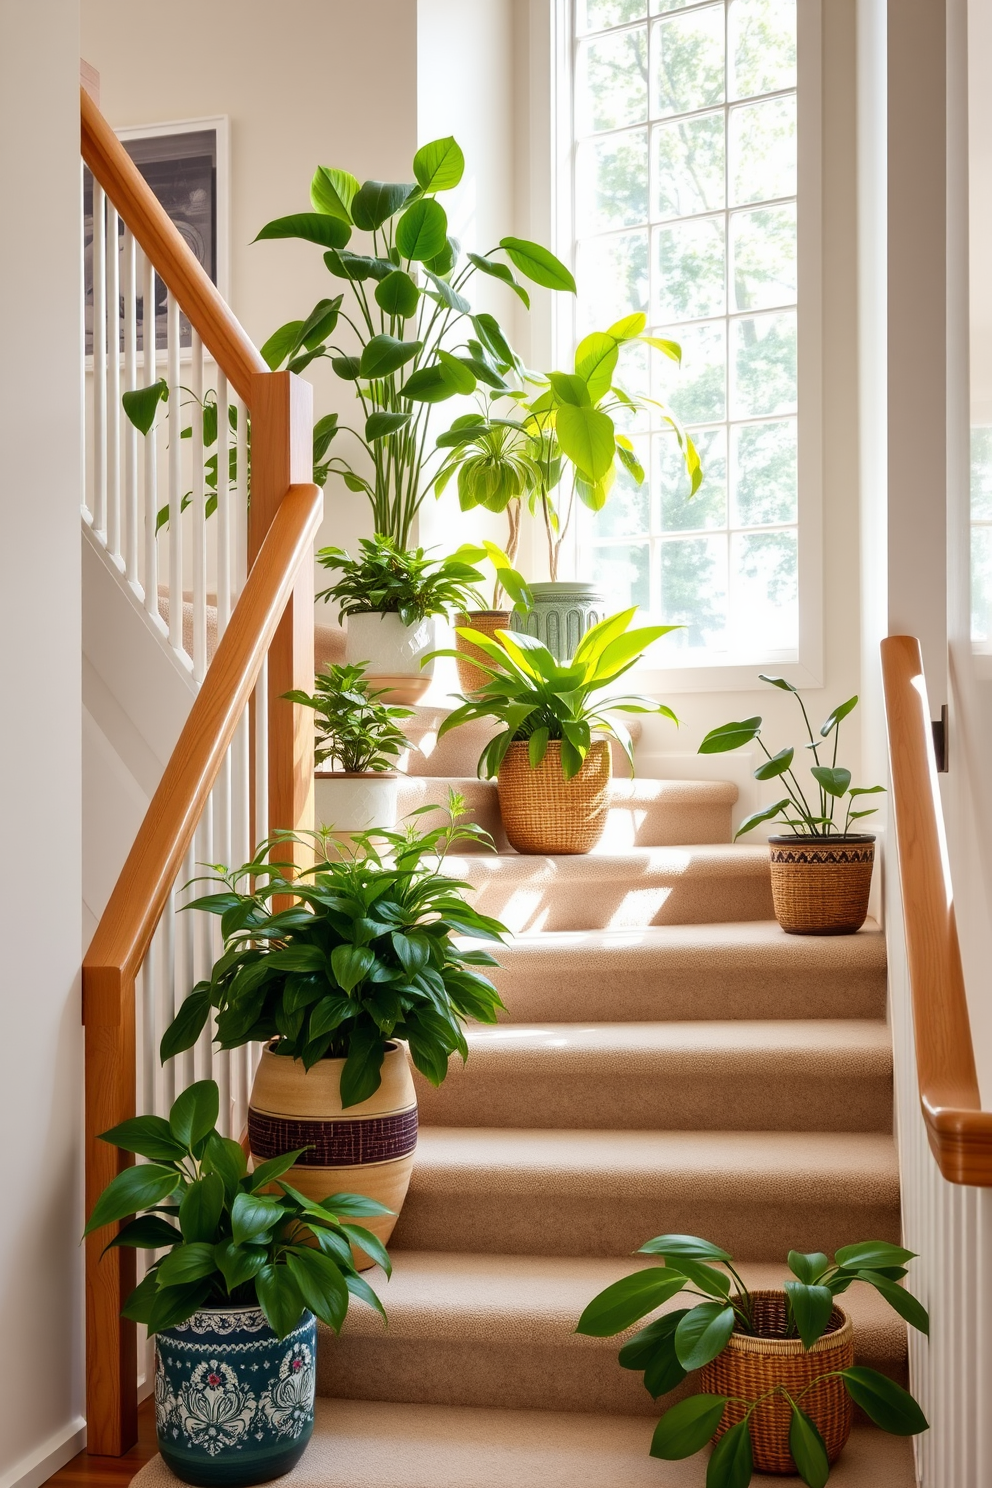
(981, 584)
(764, 610)
(763, 359)
(763, 150)
(762, 36)
(596, 15)
(692, 273)
(611, 185)
(627, 512)
(623, 571)
(612, 82)
(764, 461)
(681, 512)
(612, 275)
(689, 166)
(694, 590)
(658, 6)
(981, 473)
(688, 61)
(698, 391)
(763, 258)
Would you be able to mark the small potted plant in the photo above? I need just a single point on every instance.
(358, 739)
(821, 870)
(390, 599)
(245, 1264)
(507, 582)
(551, 759)
(778, 1379)
(337, 989)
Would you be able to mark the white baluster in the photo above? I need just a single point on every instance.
(199, 519)
(223, 515)
(240, 566)
(203, 926)
(130, 432)
(167, 994)
(262, 754)
(175, 482)
(150, 372)
(114, 386)
(185, 966)
(99, 259)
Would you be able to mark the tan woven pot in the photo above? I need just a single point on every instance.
(820, 885)
(544, 813)
(748, 1367)
(489, 622)
(366, 1149)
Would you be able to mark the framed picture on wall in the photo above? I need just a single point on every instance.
(186, 164)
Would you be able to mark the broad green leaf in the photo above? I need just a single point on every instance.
(670, 349)
(397, 294)
(141, 404)
(226, 1158)
(904, 1303)
(687, 1427)
(778, 682)
(454, 371)
(811, 1309)
(365, 1240)
(867, 1254)
(444, 294)
(281, 344)
(703, 1333)
(375, 202)
(253, 1216)
(312, 227)
(279, 1298)
(438, 166)
(586, 438)
(769, 813)
(356, 266)
(705, 1278)
(653, 1351)
(838, 714)
(731, 1463)
(186, 1263)
(595, 362)
(730, 736)
(384, 354)
(201, 1208)
(570, 388)
(537, 264)
(138, 1306)
(239, 1263)
(428, 385)
(422, 231)
(147, 1232)
(361, 1077)
(320, 322)
(268, 1172)
(350, 963)
(359, 1287)
(499, 271)
(691, 1247)
(777, 765)
(490, 332)
(150, 1136)
(324, 430)
(172, 1305)
(629, 328)
(833, 779)
(808, 1450)
(136, 1188)
(883, 1401)
(379, 425)
(620, 1305)
(333, 191)
(194, 1112)
(356, 1205)
(320, 1284)
(346, 367)
(809, 1267)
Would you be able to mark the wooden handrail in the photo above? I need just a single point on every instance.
(160, 240)
(959, 1131)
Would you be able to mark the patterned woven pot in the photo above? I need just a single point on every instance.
(820, 885)
(748, 1367)
(366, 1149)
(489, 622)
(561, 614)
(544, 813)
(233, 1403)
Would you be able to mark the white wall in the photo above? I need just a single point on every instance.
(41, 1051)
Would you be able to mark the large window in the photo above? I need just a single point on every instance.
(684, 205)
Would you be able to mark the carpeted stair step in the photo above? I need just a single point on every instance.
(643, 813)
(607, 890)
(816, 1075)
(748, 969)
(376, 1444)
(471, 1329)
(602, 1193)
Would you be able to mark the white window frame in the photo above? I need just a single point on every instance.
(694, 675)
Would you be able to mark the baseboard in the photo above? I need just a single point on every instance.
(54, 1453)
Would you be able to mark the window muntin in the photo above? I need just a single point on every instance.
(685, 207)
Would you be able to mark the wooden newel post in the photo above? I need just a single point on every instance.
(282, 456)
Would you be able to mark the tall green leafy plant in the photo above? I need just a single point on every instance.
(402, 330)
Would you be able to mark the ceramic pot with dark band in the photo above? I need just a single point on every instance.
(366, 1149)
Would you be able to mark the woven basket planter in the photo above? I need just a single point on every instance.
(748, 1367)
(544, 813)
(820, 885)
(489, 622)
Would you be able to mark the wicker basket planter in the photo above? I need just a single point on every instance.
(820, 885)
(488, 622)
(748, 1367)
(544, 813)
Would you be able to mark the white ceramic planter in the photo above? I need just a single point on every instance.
(392, 652)
(356, 803)
(561, 615)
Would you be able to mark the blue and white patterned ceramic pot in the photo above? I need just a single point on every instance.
(234, 1403)
(561, 614)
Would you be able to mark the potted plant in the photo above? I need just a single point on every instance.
(358, 739)
(821, 870)
(408, 337)
(506, 583)
(548, 449)
(245, 1263)
(338, 988)
(390, 599)
(778, 1381)
(551, 759)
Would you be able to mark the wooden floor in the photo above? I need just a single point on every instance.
(85, 1471)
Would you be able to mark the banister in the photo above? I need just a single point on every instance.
(160, 240)
(958, 1130)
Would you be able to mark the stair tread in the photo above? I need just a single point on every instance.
(831, 1041)
(443, 1296)
(640, 788)
(381, 1444)
(742, 943)
(606, 864)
